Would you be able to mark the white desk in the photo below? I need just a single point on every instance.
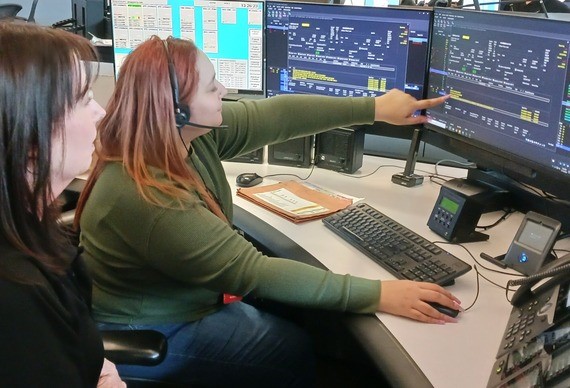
(451, 355)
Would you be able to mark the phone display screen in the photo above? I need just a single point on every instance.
(449, 205)
(535, 235)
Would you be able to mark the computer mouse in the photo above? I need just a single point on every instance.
(248, 179)
(444, 309)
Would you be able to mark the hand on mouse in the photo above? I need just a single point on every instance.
(409, 299)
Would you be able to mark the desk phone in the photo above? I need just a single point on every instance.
(535, 348)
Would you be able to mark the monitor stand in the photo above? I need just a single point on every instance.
(524, 198)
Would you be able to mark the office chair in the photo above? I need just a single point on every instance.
(136, 347)
(10, 11)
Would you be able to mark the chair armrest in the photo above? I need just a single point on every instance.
(134, 347)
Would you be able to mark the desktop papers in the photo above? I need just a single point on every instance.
(295, 201)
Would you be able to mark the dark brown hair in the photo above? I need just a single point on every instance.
(40, 82)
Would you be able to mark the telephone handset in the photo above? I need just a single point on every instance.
(557, 269)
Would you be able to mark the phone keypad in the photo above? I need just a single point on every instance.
(521, 330)
(443, 218)
(525, 323)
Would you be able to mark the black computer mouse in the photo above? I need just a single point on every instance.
(248, 179)
(444, 309)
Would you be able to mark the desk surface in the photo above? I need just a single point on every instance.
(450, 355)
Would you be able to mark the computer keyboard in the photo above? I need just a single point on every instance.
(397, 249)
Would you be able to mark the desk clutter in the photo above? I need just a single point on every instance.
(294, 201)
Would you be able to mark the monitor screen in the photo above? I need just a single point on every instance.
(373, 3)
(339, 50)
(509, 82)
(229, 32)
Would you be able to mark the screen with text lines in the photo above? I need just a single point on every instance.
(229, 32)
(509, 82)
(345, 50)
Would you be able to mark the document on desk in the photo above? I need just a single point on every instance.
(294, 201)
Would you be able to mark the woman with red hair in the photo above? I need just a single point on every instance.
(156, 224)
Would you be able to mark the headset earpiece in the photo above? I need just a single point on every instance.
(181, 115)
(181, 112)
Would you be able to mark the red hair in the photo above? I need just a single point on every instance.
(140, 130)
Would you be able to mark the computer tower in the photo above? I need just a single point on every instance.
(340, 149)
(295, 152)
(250, 157)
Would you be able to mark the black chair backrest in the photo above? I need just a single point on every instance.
(9, 10)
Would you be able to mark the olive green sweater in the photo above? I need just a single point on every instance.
(153, 265)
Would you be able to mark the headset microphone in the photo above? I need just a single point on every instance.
(205, 126)
(181, 111)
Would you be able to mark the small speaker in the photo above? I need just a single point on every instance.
(295, 152)
(340, 149)
(250, 157)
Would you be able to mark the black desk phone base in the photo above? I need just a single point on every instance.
(535, 348)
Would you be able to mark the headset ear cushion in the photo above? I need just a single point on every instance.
(182, 115)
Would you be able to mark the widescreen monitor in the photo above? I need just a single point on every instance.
(509, 82)
(373, 3)
(229, 32)
(340, 50)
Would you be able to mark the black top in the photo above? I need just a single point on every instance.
(47, 337)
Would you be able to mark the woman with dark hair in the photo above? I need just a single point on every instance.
(156, 214)
(47, 129)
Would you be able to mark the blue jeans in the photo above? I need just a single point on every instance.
(236, 346)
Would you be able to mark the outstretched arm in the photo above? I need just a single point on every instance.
(399, 108)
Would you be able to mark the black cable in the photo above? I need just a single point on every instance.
(184, 143)
(476, 272)
(295, 175)
(479, 274)
(555, 251)
(372, 173)
(477, 288)
(508, 212)
(544, 194)
(432, 179)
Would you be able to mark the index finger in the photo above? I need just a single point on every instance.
(431, 102)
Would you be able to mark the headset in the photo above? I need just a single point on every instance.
(181, 111)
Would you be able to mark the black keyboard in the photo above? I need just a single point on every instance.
(397, 249)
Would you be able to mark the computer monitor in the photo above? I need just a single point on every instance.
(229, 32)
(509, 110)
(339, 50)
(342, 50)
(373, 3)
